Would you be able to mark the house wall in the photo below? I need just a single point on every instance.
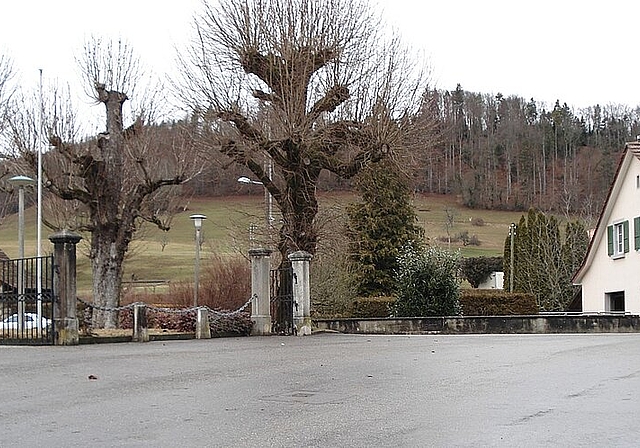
(607, 274)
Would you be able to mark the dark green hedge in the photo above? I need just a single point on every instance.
(492, 302)
(364, 307)
(477, 269)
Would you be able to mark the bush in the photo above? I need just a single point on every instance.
(225, 283)
(237, 324)
(333, 288)
(477, 269)
(478, 222)
(491, 302)
(427, 283)
(364, 307)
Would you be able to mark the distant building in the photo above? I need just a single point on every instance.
(610, 272)
(495, 280)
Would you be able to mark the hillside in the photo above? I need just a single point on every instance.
(170, 256)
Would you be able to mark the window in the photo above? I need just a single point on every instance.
(636, 233)
(618, 239)
(614, 301)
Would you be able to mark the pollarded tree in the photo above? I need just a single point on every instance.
(308, 85)
(116, 178)
(380, 226)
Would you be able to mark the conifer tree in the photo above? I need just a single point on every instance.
(544, 263)
(380, 226)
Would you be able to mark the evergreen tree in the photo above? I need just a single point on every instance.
(380, 226)
(544, 263)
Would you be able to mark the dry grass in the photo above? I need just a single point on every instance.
(170, 256)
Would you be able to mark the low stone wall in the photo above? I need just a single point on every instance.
(485, 325)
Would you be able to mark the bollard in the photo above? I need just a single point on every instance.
(140, 330)
(203, 330)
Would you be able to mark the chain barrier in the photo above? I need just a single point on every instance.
(106, 308)
(212, 313)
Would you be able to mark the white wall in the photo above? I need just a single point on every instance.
(606, 274)
(494, 281)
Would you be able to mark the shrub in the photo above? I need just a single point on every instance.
(333, 288)
(478, 222)
(491, 302)
(364, 307)
(477, 269)
(237, 324)
(427, 283)
(225, 283)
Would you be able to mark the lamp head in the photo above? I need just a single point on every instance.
(21, 181)
(197, 220)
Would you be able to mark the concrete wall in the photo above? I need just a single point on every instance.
(488, 325)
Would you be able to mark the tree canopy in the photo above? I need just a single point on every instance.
(309, 86)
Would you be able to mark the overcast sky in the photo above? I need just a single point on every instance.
(581, 53)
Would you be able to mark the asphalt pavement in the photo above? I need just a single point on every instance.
(327, 390)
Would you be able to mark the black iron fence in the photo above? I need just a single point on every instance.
(27, 301)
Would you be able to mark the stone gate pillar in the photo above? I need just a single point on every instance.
(301, 292)
(64, 287)
(260, 293)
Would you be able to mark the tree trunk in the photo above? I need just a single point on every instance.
(299, 208)
(106, 268)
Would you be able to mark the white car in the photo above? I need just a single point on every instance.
(30, 322)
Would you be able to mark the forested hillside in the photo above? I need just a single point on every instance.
(506, 152)
(503, 153)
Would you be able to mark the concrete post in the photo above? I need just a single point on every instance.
(203, 330)
(140, 327)
(64, 287)
(301, 292)
(261, 296)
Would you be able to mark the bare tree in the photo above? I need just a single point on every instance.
(307, 85)
(7, 73)
(115, 181)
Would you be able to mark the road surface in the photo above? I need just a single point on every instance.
(327, 390)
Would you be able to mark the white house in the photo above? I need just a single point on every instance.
(610, 272)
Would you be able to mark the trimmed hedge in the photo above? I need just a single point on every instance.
(491, 302)
(364, 307)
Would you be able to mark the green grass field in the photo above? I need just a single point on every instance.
(170, 256)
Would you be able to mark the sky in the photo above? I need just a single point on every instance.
(581, 53)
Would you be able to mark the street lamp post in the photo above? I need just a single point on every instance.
(21, 182)
(268, 201)
(512, 234)
(197, 221)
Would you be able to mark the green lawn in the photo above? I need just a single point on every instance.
(170, 256)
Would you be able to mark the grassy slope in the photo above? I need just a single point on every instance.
(226, 232)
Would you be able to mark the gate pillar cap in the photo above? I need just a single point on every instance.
(300, 255)
(260, 252)
(65, 236)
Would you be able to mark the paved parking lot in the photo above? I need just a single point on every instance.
(326, 390)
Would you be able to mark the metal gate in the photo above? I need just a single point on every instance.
(27, 301)
(282, 303)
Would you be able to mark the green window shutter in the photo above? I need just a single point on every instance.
(610, 240)
(625, 228)
(636, 233)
